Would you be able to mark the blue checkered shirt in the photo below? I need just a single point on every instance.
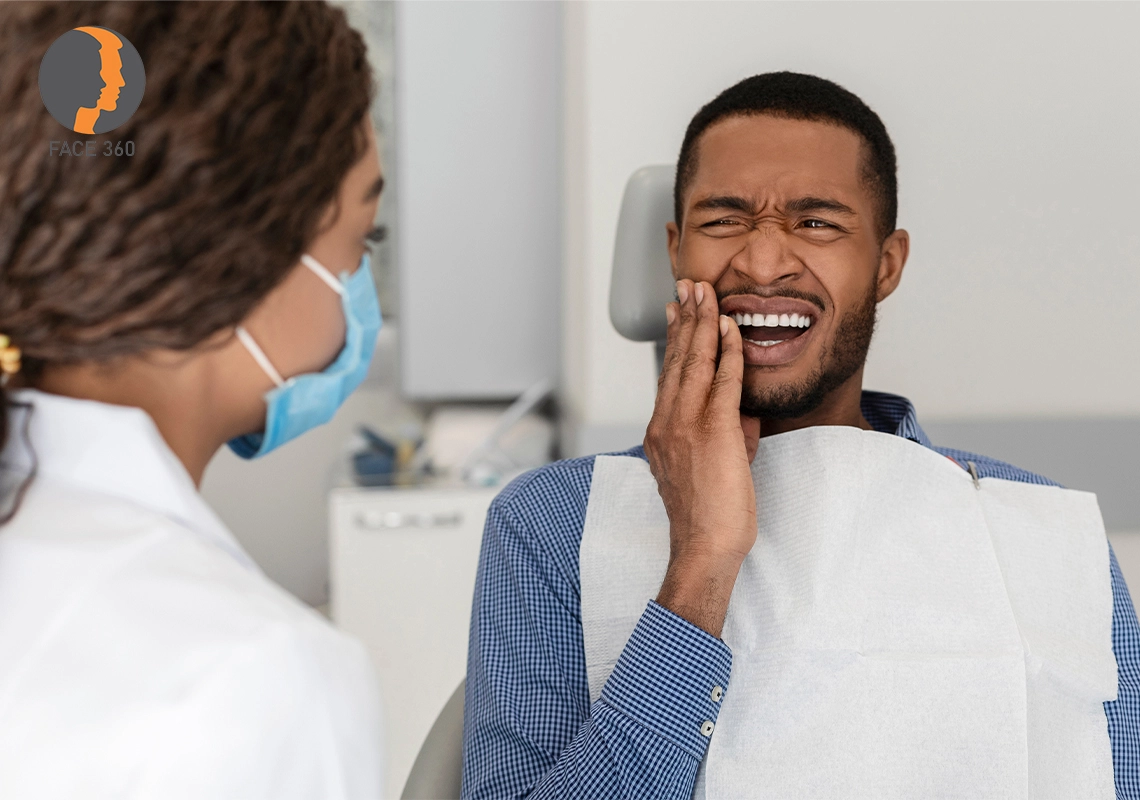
(530, 729)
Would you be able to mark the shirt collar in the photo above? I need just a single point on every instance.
(891, 413)
(114, 450)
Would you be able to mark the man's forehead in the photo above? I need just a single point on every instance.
(765, 153)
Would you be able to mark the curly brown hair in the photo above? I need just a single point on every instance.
(253, 114)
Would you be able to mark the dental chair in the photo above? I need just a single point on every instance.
(438, 769)
(640, 286)
(642, 279)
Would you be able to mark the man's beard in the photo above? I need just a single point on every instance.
(847, 353)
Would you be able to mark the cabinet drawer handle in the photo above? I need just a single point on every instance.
(391, 520)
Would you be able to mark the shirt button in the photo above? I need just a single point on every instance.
(717, 693)
(706, 728)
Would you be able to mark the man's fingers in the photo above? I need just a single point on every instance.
(686, 319)
(728, 386)
(724, 400)
(669, 379)
(675, 345)
(691, 351)
(698, 367)
(680, 334)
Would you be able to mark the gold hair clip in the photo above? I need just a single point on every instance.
(9, 357)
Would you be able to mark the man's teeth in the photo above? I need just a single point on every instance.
(772, 321)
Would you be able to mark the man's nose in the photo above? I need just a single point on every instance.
(767, 256)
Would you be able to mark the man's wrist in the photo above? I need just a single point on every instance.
(698, 586)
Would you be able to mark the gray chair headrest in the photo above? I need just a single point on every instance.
(642, 280)
(437, 773)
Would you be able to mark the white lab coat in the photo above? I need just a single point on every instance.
(143, 654)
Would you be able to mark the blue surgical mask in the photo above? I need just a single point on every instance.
(305, 401)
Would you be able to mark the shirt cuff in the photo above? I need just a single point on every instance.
(671, 677)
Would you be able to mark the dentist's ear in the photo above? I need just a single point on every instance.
(892, 260)
(674, 235)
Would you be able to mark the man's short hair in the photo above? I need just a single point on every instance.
(796, 96)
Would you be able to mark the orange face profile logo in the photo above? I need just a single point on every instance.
(91, 79)
(111, 72)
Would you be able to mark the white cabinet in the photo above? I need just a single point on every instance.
(402, 573)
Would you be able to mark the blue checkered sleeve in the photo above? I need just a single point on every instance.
(1124, 712)
(529, 727)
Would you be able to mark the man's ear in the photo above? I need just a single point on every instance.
(892, 259)
(674, 234)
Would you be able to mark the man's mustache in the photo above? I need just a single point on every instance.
(756, 291)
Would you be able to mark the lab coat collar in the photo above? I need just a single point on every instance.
(115, 450)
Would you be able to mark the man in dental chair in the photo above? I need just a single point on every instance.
(789, 591)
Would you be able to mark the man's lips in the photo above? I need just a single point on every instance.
(775, 329)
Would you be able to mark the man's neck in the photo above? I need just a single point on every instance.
(841, 407)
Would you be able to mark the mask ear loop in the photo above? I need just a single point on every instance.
(255, 350)
(322, 272)
(259, 355)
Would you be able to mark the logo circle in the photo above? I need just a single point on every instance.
(92, 79)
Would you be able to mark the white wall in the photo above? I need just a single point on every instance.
(478, 123)
(1018, 138)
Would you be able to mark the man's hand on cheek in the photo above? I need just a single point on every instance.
(700, 449)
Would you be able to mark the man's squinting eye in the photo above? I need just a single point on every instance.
(817, 223)
(723, 224)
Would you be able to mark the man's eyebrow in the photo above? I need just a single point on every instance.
(797, 206)
(724, 201)
(803, 204)
(375, 189)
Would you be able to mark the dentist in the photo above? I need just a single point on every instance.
(213, 288)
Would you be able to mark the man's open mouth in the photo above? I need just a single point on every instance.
(769, 330)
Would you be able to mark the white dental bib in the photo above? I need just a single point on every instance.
(897, 631)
